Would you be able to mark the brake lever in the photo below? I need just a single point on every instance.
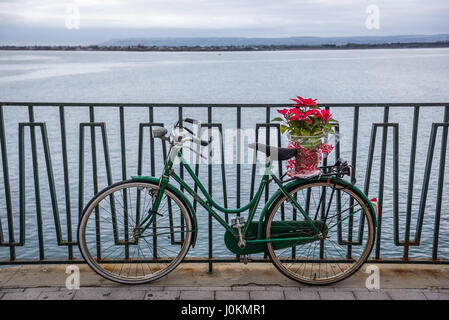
(188, 130)
(196, 152)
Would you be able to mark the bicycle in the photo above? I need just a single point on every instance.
(139, 230)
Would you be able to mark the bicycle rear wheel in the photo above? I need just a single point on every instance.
(108, 233)
(346, 225)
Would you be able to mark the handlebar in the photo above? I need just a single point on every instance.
(159, 132)
(204, 143)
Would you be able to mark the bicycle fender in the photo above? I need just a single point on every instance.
(179, 194)
(299, 182)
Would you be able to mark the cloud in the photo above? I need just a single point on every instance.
(255, 17)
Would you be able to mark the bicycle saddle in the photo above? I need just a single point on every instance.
(274, 153)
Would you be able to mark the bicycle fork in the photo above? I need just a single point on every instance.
(149, 219)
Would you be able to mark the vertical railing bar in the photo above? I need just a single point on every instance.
(139, 168)
(411, 175)
(238, 146)
(81, 173)
(65, 166)
(107, 162)
(382, 180)
(396, 183)
(153, 165)
(440, 185)
(140, 150)
(2, 242)
(279, 146)
(7, 186)
(223, 170)
(36, 184)
(181, 126)
(267, 141)
(209, 134)
(279, 141)
(197, 167)
(124, 177)
(93, 146)
(355, 133)
(254, 164)
(238, 158)
(323, 208)
(22, 206)
(181, 167)
(153, 172)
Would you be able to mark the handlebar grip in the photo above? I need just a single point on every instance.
(204, 143)
(190, 120)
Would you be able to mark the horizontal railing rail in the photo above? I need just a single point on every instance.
(37, 204)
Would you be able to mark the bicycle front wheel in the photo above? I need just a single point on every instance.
(346, 225)
(109, 239)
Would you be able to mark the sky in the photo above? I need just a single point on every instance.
(97, 21)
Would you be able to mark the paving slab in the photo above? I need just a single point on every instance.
(197, 295)
(267, 295)
(162, 295)
(404, 294)
(232, 295)
(57, 295)
(248, 288)
(301, 295)
(336, 295)
(93, 294)
(278, 288)
(127, 294)
(6, 274)
(436, 295)
(372, 295)
(28, 294)
(197, 288)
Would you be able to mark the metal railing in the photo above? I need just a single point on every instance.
(16, 198)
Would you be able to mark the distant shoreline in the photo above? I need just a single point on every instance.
(399, 45)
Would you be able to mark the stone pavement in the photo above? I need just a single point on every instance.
(221, 293)
(229, 281)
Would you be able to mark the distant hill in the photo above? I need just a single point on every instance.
(234, 41)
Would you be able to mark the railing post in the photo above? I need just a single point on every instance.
(439, 199)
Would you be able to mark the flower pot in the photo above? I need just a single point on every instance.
(311, 151)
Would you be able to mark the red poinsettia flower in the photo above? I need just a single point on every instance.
(325, 115)
(313, 112)
(296, 114)
(304, 102)
(299, 115)
(284, 112)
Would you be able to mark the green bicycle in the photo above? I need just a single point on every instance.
(316, 231)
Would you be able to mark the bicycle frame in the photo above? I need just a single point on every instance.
(209, 204)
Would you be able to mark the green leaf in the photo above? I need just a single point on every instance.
(283, 128)
(277, 119)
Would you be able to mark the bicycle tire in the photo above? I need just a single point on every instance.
(149, 260)
(319, 261)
